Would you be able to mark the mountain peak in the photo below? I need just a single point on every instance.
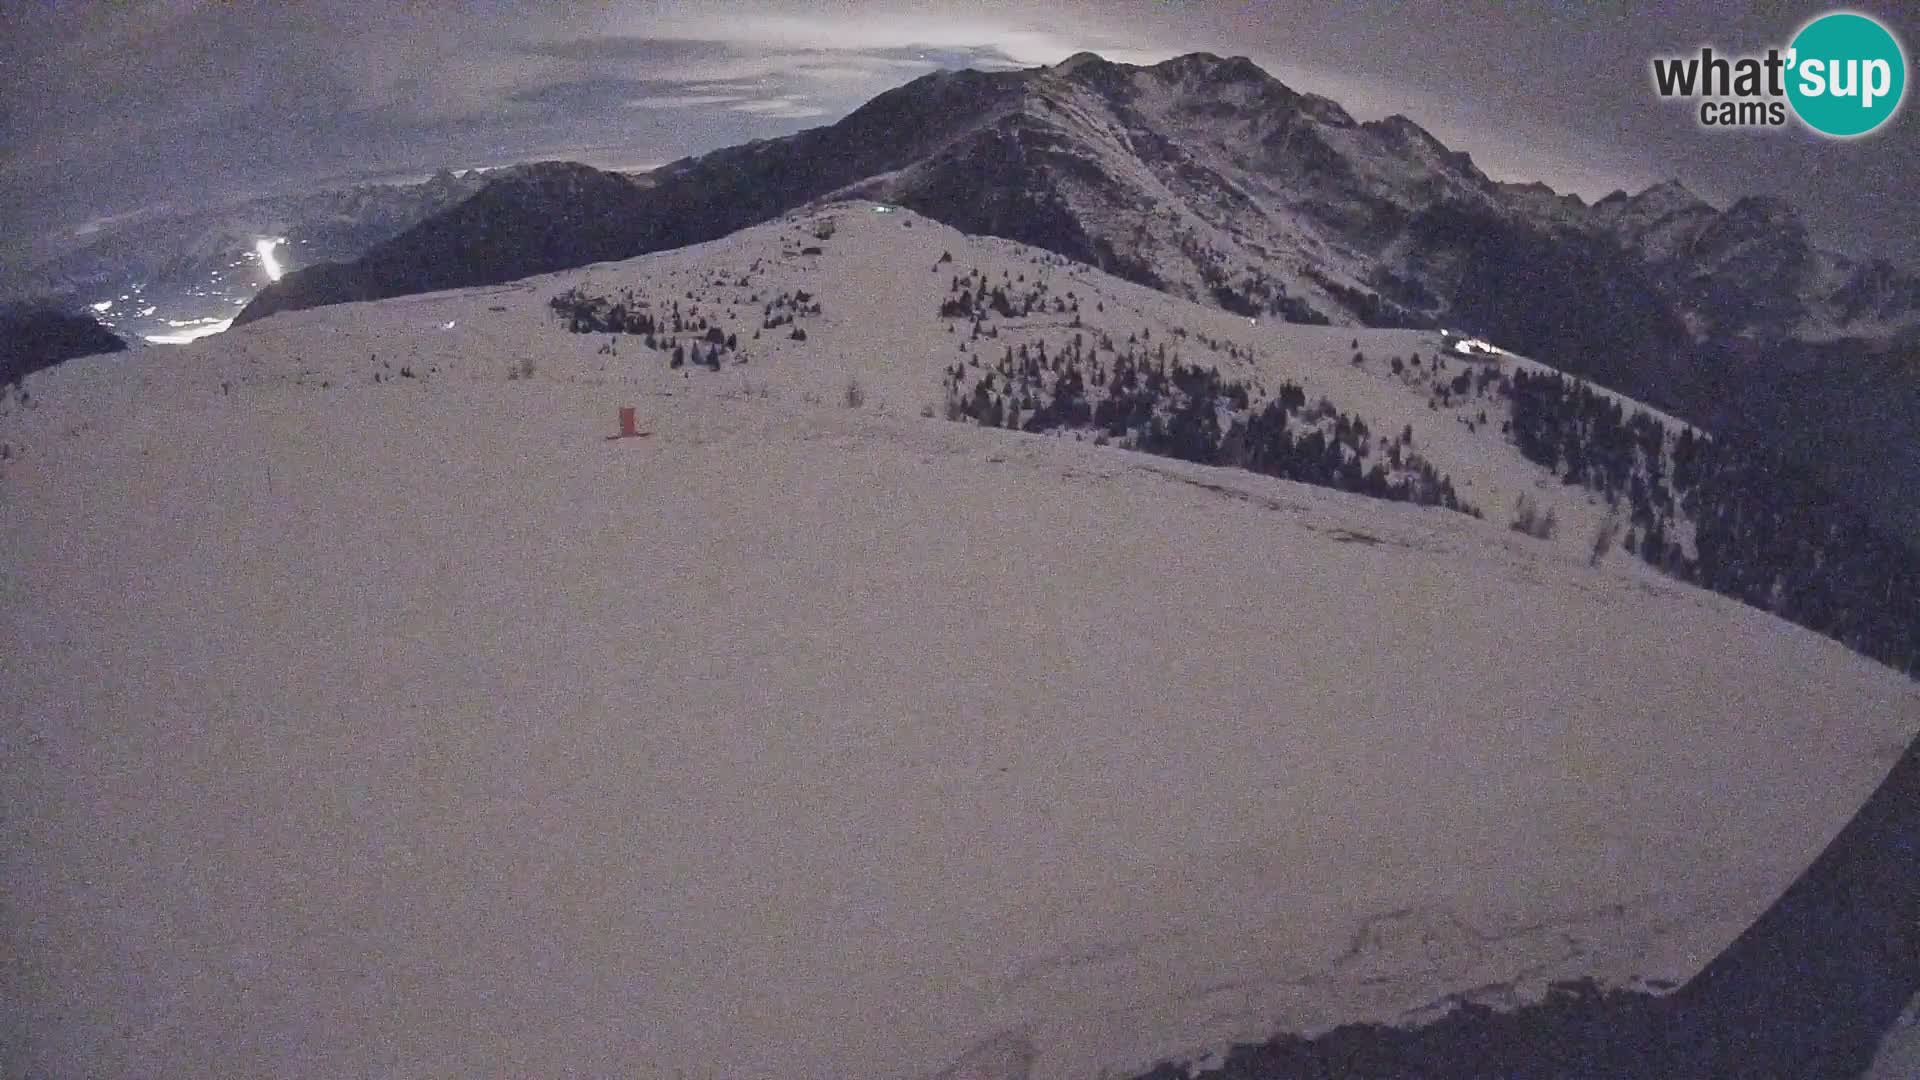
(1080, 61)
(1765, 208)
(1759, 218)
(1669, 193)
(1667, 201)
(1212, 67)
(1402, 127)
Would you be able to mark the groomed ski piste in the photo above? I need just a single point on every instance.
(369, 711)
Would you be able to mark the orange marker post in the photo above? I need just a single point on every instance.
(627, 428)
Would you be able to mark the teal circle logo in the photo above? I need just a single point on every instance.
(1846, 74)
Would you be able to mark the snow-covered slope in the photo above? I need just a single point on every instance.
(368, 710)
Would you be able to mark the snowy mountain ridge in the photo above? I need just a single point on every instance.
(1209, 179)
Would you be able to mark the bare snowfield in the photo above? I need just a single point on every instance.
(414, 728)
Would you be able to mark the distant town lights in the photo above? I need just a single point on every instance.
(264, 248)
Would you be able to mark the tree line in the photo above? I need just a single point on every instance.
(1144, 400)
(1763, 531)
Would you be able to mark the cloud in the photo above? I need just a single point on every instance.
(682, 101)
(578, 93)
(859, 68)
(713, 63)
(1026, 37)
(628, 49)
(785, 107)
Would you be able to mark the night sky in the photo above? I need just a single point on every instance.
(108, 109)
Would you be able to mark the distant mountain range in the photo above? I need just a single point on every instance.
(1208, 178)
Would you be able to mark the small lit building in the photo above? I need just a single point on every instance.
(1461, 347)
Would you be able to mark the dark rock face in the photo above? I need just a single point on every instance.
(536, 219)
(33, 339)
(1557, 295)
